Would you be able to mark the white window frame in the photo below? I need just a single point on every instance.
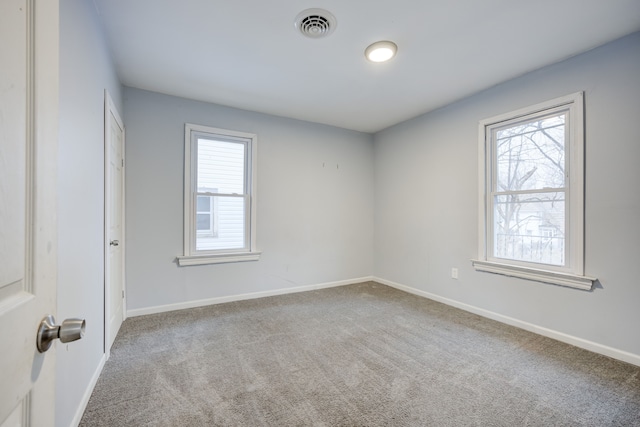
(572, 273)
(191, 256)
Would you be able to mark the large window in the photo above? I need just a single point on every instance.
(531, 196)
(220, 193)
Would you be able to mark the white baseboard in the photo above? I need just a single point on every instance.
(634, 359)
(240, 297)
(87, 394)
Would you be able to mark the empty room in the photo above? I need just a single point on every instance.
(327, 213)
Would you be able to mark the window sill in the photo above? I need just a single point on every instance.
(545, 276)
(187, 260)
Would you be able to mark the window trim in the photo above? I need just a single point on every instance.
(250, 253)
(572, 274)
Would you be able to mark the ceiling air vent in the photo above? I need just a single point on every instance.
(315, 23)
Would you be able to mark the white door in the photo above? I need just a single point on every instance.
(28, 158)
(114, 229)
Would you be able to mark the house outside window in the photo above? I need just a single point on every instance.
(220, 196)
(531, 193)
(206, 216)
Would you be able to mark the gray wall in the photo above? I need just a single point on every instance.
(426, 200)
(315, 201)
(85, 71)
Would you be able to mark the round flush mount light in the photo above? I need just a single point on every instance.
(315, 23)
(381, 51)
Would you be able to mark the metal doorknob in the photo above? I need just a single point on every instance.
(114, 242)
(70, 330)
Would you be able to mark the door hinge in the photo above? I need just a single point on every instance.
(122, 162)
(122, 294)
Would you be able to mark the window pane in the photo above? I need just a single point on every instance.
(204, 204)
(530, 227)
(229, 223)
(203, 222)
(220, 166)
(531, 155)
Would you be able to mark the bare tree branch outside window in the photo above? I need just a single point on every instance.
(529, 190)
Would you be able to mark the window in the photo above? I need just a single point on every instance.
(531, 193)
(219, 196)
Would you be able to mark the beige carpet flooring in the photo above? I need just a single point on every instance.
(358, 355)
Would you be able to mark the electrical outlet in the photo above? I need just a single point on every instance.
(454, 273)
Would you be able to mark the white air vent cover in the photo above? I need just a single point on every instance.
(315, 23)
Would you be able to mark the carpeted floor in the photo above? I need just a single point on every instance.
(358, 355)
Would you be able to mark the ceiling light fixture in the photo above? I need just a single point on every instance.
(381, 51)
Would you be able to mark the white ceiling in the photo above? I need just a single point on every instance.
(247, 53)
